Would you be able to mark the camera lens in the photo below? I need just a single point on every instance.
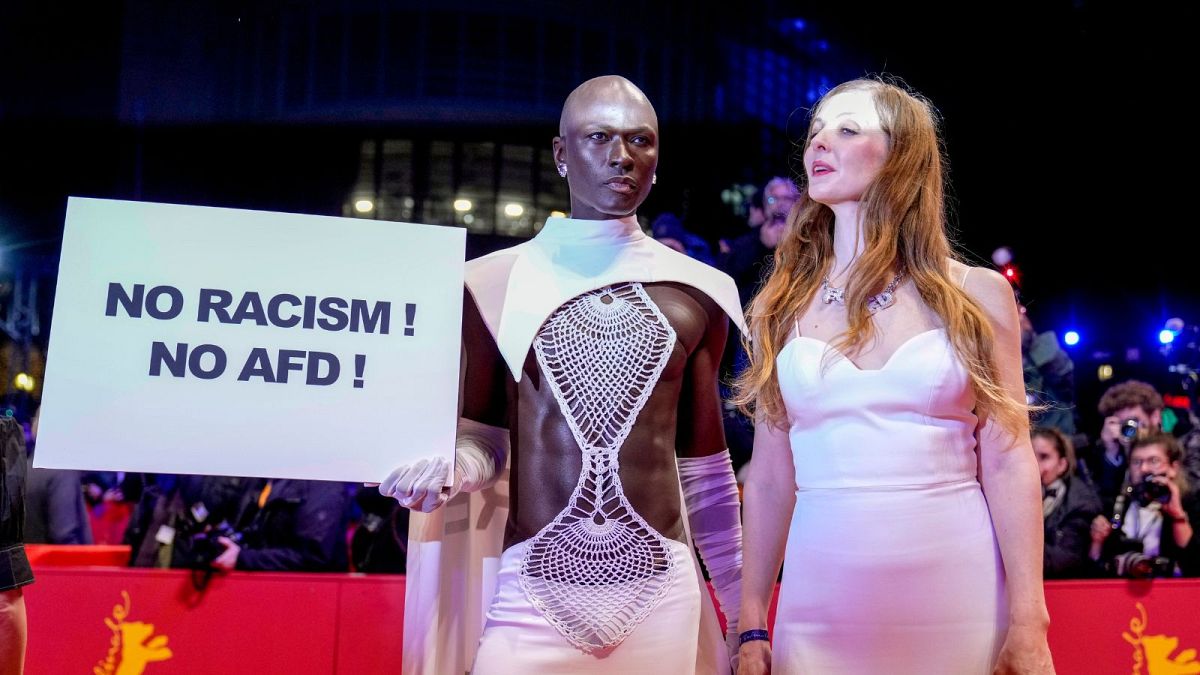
(1129, 429)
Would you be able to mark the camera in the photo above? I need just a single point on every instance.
(1137, 565)
(1149, 491)
(204, 546)
(1129, 431)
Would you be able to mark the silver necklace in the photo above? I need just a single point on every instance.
(880, 301)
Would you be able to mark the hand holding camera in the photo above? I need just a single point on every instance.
(1158, 488)
(1118, 433)
(214, 546)
(1129, 431)
(227, 560)
(1153, 488)
(1137, 565)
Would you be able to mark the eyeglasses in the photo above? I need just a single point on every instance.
(1152, 463)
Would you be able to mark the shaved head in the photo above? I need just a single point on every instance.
(607, 147)
(606, 90)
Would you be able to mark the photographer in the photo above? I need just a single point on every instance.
(169, 526)
(1068, 506)
(295, 525)
(1130, 409)
(1151, 532)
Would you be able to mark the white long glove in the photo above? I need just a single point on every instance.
(480, 453)
(714, 513)
(419, 486)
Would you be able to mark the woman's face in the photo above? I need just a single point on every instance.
(1051, 465)
(846, 148)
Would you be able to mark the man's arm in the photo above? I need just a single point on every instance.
(484, 374)
(481, 444)
(699, 430)
(706, 473)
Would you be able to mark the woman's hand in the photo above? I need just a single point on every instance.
(754, 658)
(1025, 652)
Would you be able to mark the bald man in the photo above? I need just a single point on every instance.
(591, 357)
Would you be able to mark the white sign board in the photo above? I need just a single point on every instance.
(202, 340)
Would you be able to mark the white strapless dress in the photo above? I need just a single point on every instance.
(891, 563)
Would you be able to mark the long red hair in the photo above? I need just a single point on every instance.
(904, 227)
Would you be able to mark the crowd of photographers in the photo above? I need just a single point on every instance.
(1125, 505)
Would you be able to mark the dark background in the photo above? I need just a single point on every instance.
(1064, 125)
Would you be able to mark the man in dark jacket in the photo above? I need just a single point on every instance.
(297, 525)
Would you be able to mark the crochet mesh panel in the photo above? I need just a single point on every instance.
(598, 569)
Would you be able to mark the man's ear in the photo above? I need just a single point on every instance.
(559, 147)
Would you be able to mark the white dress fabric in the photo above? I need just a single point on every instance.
(519, 639)
(892, 564)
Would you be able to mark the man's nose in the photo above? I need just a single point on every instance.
(618, 154)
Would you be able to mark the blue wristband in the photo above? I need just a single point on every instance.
(754, 634)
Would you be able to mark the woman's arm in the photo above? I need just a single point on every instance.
(1008, 472)
(768, 498)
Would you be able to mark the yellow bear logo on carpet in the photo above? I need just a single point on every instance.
(1153, 652)
(133, 644)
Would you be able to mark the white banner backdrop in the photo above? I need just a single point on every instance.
(202, 340)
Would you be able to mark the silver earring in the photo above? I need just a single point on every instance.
(654, 179)
(562, 170)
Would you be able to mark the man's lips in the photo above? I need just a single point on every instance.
(621, 184)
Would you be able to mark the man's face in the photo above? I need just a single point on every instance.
(1150, 460)
(610, 148)
(778, 200)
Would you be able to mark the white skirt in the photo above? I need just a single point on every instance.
(517, 639)
(898, 581)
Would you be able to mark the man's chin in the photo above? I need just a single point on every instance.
(611, 211)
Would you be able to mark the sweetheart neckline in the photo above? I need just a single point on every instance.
(848, 360)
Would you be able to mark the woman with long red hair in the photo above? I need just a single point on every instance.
(891, 450)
